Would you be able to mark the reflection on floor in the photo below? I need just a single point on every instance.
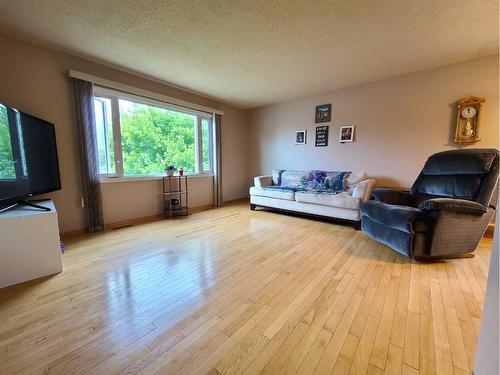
(235, 291)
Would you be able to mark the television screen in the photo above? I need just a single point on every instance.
(28, 156)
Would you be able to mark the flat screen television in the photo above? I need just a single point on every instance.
(28, 157)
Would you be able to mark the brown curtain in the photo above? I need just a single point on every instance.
(217, 161)
(85, 120)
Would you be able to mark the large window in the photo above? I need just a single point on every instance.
(140, 137)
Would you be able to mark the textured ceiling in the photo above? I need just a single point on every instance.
(252, 53)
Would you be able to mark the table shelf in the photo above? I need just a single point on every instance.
(174, 192)
(175, 196)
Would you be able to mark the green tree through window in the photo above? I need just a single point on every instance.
(153, 137)
(140, 137)
(7, 170)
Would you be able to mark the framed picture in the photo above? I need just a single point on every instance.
(346, 134)
(321, 136)
(323, 113)
(300, 137)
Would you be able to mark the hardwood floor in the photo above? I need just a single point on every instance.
(231, 291)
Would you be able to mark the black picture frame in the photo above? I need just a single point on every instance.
(321, 136)
(323, 113)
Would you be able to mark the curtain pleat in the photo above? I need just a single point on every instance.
(85, 120)
(217, 161)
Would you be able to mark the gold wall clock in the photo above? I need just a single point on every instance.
(468, 120)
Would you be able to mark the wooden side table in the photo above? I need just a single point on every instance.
(175, 196)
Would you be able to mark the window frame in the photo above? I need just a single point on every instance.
(114, 96)
(105, 124)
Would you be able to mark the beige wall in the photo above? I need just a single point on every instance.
(34, 79)
(399, 123)
(123, 201)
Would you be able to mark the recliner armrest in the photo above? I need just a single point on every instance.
(261, 181)
(451, 204)
(393, 196)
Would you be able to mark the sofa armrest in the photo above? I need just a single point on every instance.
(393, 196)
(363, 189)
(451, 204)
(261, 181)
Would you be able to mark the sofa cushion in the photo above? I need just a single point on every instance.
(322, 181)
(355, 178)
(471, 161)
(463, 186)
(394, 196)
(341, 200)
(469, 174)
(362, 190)
(277, 176)
(396, 239)
(273, 192)
(403, 218)
(293, 179)
(333, 182)
(449, 204)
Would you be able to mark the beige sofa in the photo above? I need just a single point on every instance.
(342, 205)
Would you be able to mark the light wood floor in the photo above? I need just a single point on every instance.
(232, 291)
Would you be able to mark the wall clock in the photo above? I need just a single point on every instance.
(468, 120)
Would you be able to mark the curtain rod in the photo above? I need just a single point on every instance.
(145, 93)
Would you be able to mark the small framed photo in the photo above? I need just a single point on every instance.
(323, 113)
(346, 134)
(300, 137)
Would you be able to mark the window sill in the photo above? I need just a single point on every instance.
(111, 180)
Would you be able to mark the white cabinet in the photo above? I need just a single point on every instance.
(29, 244)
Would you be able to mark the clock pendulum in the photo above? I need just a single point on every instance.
(468, 132)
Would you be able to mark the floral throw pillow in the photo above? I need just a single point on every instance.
(293, 179)
(331, 182)
(277, 176)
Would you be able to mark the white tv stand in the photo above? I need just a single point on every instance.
(29, 244)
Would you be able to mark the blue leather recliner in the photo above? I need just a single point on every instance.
(447, 210)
